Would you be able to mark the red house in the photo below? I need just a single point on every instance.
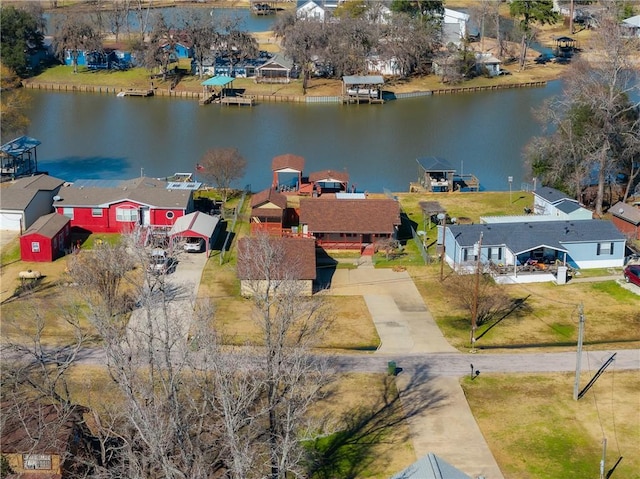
(46, 239)
(117, 206)
(627, 219)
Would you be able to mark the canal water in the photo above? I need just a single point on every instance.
(87, 135)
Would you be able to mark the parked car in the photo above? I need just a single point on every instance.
(160, 262)
(544, 58)
(194, 245)
(632, 274)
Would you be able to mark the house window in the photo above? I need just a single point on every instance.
(36, 461)
(96, 212)
(604, 249)
(128, 215)
(169, 214)
(35, 247)
(495, 254)
(68, 212)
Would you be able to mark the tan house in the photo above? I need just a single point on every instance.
(267, 211)
(43, 440)
(292, 259)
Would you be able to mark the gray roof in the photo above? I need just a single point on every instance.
(525, 236)
(626, 212)
(363, 80)
(550, 194)
(431, 467)
(48, 225)
(434, 163)
(38, 182)
(197, 222)
(145, 191)
(21, 192)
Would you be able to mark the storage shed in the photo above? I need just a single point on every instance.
(46, 239)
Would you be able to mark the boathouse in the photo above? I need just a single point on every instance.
(437, 175)
(267, 211)
(329, 181)
(292, 167)
(19, 157)
(362, 88)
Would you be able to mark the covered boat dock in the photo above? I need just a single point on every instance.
(362, 89)
(219, 89)
(19, 157)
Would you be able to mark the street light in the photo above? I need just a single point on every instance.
(510, 180)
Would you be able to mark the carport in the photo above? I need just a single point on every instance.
(195, 225)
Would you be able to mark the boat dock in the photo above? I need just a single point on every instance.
(133, 92)
(238, 100)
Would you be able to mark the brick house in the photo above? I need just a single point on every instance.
(338, 223)
(117, 206)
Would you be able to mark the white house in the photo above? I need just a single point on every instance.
(311, 11)
(379, 66)
(454, 25)
(379, 13)
(488, 61)
(551, 202)
(632, 26)
(26, 200)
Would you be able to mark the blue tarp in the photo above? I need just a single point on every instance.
(217, 81)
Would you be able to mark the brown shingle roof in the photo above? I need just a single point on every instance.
(146, 191)
(48, 225)
(38, 182)
(21, 192)
(626, 212)
(289, 161)
(37, 428)
(330, 215)
(329, 175)
(269, 196)
(298, 258)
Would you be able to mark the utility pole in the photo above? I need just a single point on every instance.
(443, 220)
(576, 385)
(604, 453)
(476, 293)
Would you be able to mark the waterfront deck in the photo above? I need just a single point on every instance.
(134, 92)
(237, 100)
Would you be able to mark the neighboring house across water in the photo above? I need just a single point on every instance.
(627, 219)
(44, 441)
(454, 26)
(631, 26)
(379, 66)
(548, 201)
(543, 244)
(46, 240)
(311, 11)
(118, 206)
(487, 62)
(294, 259)
(276, 69)
(27, 199)
(344, 223)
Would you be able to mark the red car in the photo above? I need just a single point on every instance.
(632, 274)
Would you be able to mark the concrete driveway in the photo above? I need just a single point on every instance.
(405, 326)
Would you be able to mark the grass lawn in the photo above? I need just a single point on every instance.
(537, 431)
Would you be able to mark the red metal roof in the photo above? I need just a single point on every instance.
(287, 161)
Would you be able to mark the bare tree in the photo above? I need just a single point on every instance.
(76, 35)
(201, 32)
(222, 166)
(483, 293)
(596, 122)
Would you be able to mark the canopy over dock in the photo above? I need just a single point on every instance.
(362, 88)
(19, 156)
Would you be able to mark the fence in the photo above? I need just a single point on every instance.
(416, 238)
(234, 220)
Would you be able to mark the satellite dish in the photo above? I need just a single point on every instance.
(56, 198)
(420, 233)
(621, 210)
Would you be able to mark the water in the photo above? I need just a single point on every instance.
(87, 135)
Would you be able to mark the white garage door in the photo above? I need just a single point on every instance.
(10, 221)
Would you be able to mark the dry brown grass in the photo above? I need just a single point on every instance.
(535, 429)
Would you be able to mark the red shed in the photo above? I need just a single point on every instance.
(46, 239)
(627, 219)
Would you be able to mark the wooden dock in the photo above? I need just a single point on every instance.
(238, 100)
(133, 92)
